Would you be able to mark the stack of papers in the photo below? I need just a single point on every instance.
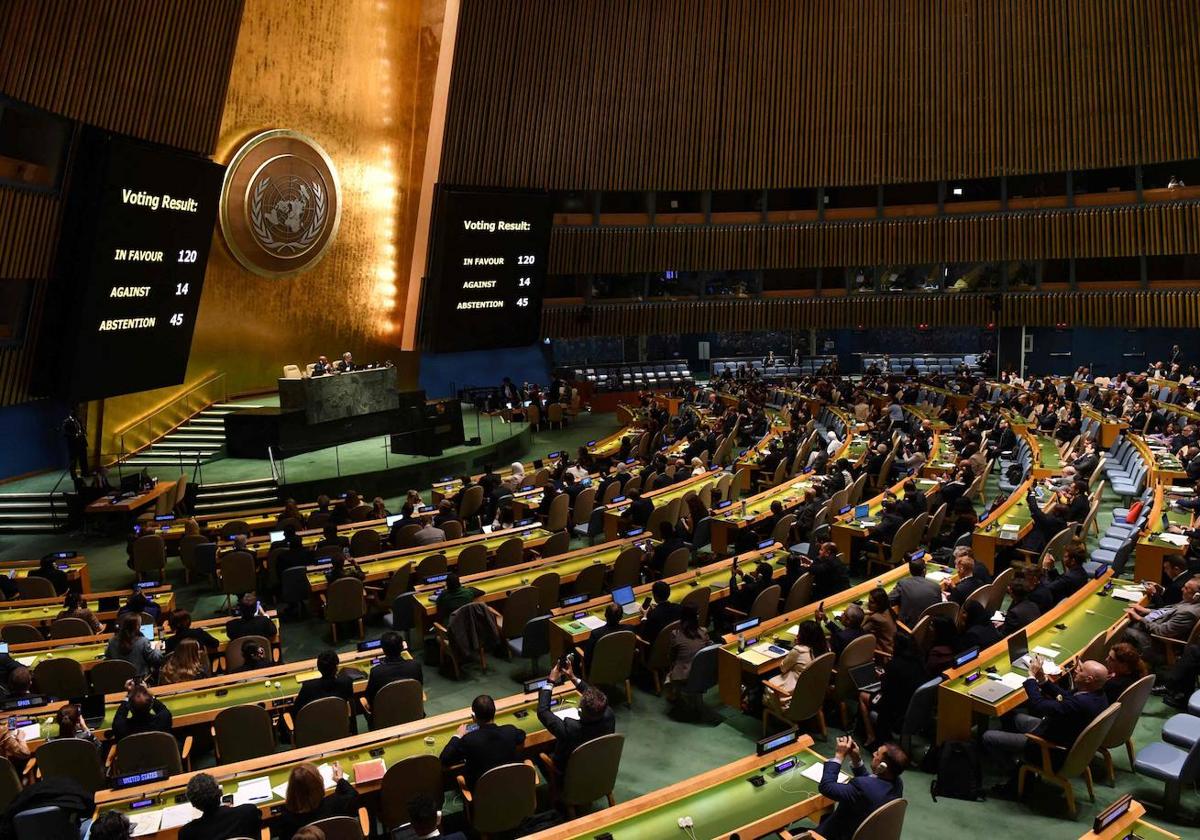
(1013, 680)
(1174, 539)
(592, 622)
(569, 713)
(938, 577)
(1125, 594)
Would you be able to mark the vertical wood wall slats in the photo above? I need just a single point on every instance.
(754, 94)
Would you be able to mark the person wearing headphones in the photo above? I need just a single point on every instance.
(865, 792)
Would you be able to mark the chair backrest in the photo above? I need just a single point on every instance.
(676, 562)
(808, 696)
(934, 528)
(698, 598)
(560, 508)
(149, 553)
(859, 651)
(49, 822)
(233, 651)
(511, 552)
(535, 642)
(364, 542)
(339, 828)
(10, 783)
(238, 572)
(434, 564)
(72, 758)
(472, 560)
(403, 781)
(519, 607)
(782, 528)
(109, 676)
(69, 628)
(703, 672)
(243, 732)
(19, 634)
(945, 609)
(627, 568)
(471, 501)
(919, 715)
(504, 797)
(147, 751)
(1089, 741)
(400, 701)
(234, 527)
(983, 595)
(884, 823)
(591, 771)
(32, 586)
(558, 544)
(60, 677)
(322, 720)
(584, 503)
(548, 585)
(660, 648)
(766, 605)
(612, 659)
(590, 580)
(800, 593)
(1133, 702)
(344, 600)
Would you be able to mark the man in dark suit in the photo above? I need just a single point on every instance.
(968, 582)
(406, 519)
(1055, 712)
(671, 542)
(329, 684)
(850, 629)
(251, 620)
(1071, 579)
(331, 539)
(217, 822)
(661, 613)
(347, 363)
(46, 569)
(830, 575)
(1045, 524)
(595, 720)
(865, 792)
(483, 745)
(640, 509)
(612, 624)
(1170, 590)
(913, 594)
(889, 523)
(393, 666)
(1021, 610)
(914, 503)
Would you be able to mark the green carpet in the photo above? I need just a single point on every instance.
(660, 750)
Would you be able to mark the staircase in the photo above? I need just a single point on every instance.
(200, 439)
(236, 496)
(33, 513)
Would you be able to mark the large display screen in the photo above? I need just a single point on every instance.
(133, 251)
(488, 270)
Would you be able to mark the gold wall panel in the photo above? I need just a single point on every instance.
(356, 76)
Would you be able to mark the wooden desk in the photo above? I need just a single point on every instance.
(1131, 822)
(1085, 614)
(987, 536)
(613, 511)
(129, 504)
(496, 584)
(88, 650)
(720, 802)
(423, 737)
(76, 568)
(198, 702)
(569, 625)
(736, 669)
(41, 612)
(1151, 548)
(847, 527)
(731, 520)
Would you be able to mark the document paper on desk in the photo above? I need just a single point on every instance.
(592, 622)
(1178, 540)
(252, 791)
(178, 815)
(144, 822)
(569, 713)
(815, 771)
(1125, 594)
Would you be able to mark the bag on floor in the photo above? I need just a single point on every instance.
(959, 772)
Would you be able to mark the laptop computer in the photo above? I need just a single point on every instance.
(276, 536)
(866, 677)
(992, 691)
(1018, 649)
(623, 597)
(148, 632)
(91, 708)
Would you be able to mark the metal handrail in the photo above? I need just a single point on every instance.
(183, 399)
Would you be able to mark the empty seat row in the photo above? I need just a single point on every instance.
(633, 376)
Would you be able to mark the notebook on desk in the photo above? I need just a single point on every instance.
(991, 691)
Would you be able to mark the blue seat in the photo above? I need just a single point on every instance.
(1194, 703)
(534, 643)
(1171, 765)
(1182, 730)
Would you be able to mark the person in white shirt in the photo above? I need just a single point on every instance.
(834, 444)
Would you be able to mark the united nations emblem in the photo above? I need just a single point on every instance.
(280, 205)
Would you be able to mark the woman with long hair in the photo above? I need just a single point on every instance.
(72, 725)
(129, 644)
(188, 662)
(306, 801)
(880, 620)
(74, 606)
(810, 643)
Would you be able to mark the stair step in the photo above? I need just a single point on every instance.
(221, 486)
(208, 495)
(201, 420)
(238, 504)
(29, 507)
(198, 436)
(41, 528)
(184, 447)
(29, 497)
(233, 406)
